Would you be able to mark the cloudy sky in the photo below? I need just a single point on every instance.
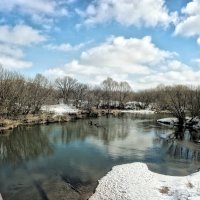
(146, 42)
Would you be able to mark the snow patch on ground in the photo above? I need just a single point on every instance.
(59, 109)
(139, 111)
(197, 126)
(195, 122)
(135, 182)
(169, 120)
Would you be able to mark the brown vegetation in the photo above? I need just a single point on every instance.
(20, 96)
(164, 190)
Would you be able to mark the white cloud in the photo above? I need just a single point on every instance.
(137, 61)
(42, 12)
(42, 7)
(129, 12)
(20, 35)
(13, 40)
(12, 57)
(66, 47)
(11, 51)
(13, 63)
(190, 23)
(121, 52)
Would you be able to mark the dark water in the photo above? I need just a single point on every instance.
(81, 154)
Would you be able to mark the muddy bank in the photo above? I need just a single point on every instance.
(47, 118)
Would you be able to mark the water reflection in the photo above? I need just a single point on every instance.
(182, 145)
(124, 136)
(23, 144)
(106, 131)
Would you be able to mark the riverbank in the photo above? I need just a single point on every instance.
(136, 182)
(189, 122)
(52, 115)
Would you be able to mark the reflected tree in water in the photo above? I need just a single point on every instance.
(183, 145)
(24, 144)
(179, 132)
(105, 129)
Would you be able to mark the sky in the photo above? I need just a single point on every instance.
(146, 43)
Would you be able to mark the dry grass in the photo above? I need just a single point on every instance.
(189, 185)
(164, 190)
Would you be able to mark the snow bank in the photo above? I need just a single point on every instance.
(135, 182)
(139, 111)
(169, 120)
(195, 122)
(59, 109)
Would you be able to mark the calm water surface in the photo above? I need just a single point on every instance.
(81, 154)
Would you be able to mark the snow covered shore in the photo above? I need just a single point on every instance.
(139, 111)
(136, 182)
(59, 109)
(168, 121)
(194, 123)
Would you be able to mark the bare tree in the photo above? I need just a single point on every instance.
(194, 101)
(124, 90)
(109, 88)
(176, 99)
(20, 96)
(66, 86)
(80, 93)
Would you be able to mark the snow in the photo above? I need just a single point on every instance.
(139, 111)
(196, 120)
(135, 182)
(135, 105)
(174, 121)
(59, 109)
(169, 120)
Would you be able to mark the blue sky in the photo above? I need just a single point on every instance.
(146, 42)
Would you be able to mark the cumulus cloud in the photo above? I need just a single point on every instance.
(13, 63)
(190, 23)
(138, 61)
(20, 35)
(129, 12)
(42, 12)
(12, 57)
(13, 40)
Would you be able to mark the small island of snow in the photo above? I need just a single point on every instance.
(59, 109)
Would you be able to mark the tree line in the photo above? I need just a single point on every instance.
(20, 95)
(180, 100)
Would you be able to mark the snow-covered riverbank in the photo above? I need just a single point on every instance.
(136, 182)
(59, 109)
(194, 123)
(139, 111)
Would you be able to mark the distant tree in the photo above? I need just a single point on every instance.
(66, 86)
(176, 98)
(194, 101)
(41, 90)
(80, 93)
(124, 90)
(109, 88)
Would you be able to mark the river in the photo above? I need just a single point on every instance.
(80, 153)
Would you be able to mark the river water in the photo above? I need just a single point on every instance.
(81, 154)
